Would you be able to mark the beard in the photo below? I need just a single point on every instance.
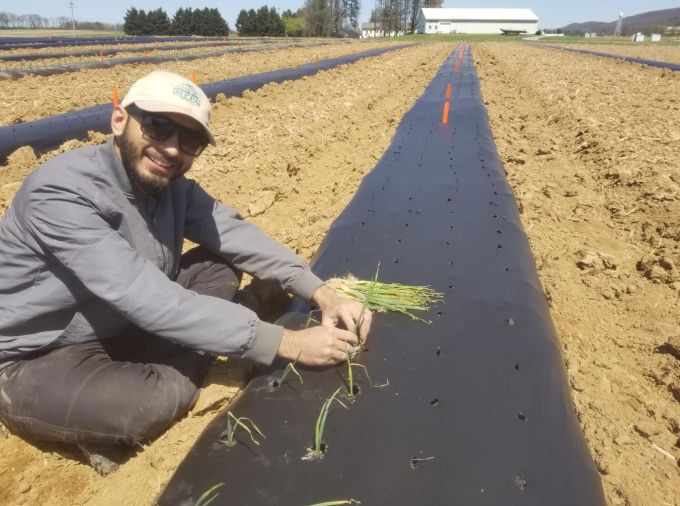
(130, 157)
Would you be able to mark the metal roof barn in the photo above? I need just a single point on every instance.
(487, 21)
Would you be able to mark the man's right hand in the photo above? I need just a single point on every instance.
(317, 346)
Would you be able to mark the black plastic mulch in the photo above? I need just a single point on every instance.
(46, 134)
(477, 410)
(642, 61)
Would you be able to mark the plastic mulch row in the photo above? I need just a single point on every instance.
(631, 59)
(474, 408)
(52, 70)
(113, 51)
(46, 134)
(9, 43)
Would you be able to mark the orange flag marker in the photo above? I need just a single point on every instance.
(445, 113)
(448, 91)
(193, 78)
(115, 97)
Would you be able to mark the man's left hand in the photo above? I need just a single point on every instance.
(336, 309)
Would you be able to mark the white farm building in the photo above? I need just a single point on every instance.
(490, 21)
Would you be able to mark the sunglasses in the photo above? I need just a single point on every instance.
(161, 128)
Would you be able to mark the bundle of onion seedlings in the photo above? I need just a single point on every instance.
(383, 297)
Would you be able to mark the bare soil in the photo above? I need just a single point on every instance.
(153, 50)
(669, 54)
(290, 157)
(590, 147)
(35, 97)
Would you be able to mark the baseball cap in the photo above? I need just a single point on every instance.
(163, 91)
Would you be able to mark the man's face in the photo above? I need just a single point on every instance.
(150, 162)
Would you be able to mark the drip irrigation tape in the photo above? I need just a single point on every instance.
(477, 410)
(642, 61)
(52, 70)
(46, 134)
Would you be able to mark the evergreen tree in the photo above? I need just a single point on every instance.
(131, 24)
(182, 22)
(242, 21)
(158, 22)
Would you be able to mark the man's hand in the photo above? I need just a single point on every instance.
(336, 309)
(317, 346)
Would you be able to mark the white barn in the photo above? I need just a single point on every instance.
(488, 21)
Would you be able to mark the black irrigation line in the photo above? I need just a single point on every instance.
(52, 70)
(46, 134)
(9, 43)
(651, 63)
(116, 50)
(477, 410)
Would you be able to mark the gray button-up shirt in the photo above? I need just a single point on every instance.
(82, 256)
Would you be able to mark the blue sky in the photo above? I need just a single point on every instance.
(552, 14)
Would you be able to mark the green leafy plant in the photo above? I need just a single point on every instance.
(233, 423)
(350, 376)
(318, 450)
(289, 368)
(208, 496)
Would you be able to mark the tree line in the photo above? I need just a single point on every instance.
(263, 22)
(328, 18)
(206, 22)
(318, 18)
(394, 16)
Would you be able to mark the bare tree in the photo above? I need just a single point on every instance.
(317, 18)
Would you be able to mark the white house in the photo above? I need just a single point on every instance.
(370, 30)
(489, 21)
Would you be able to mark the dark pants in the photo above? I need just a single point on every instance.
(126, 389)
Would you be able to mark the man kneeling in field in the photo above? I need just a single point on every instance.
(106, 329)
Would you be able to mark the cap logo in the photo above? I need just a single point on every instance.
(188, 93)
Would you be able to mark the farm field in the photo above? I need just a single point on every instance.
(666, 53)
(590, 147)
(36, 97)
(149, 51)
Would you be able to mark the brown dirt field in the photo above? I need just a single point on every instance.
(297, 151)
(669, 54)
(155, 51)
(35, 97)
(590, 147)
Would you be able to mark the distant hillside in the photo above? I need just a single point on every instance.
(647, 22)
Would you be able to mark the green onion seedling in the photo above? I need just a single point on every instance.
(310, 319)
(233, 422)
(387, 296)
(318, 450)
(207, 497)
(366, 300)
(290, 367)
(351, 390)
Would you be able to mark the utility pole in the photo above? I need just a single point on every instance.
(73, 20)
